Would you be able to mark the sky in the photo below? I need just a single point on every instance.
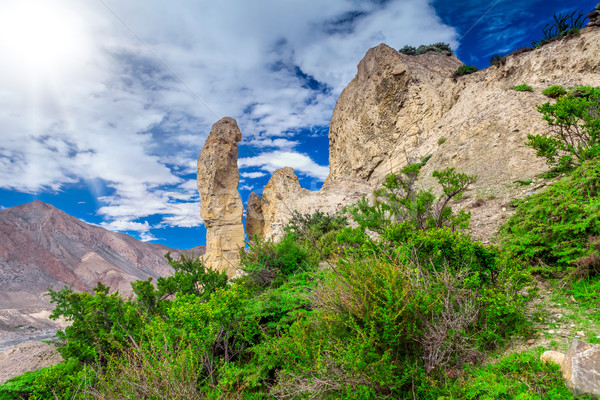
(105, 104)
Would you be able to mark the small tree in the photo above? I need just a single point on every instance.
(574, 134)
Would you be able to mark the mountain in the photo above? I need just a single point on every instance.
(41, 246)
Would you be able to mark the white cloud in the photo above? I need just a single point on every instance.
(136, 123)
(123, 226)
(147, 237)
(279, 159)
(253, 175)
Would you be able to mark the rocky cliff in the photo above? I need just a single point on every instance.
(400, 108)
(221, 205)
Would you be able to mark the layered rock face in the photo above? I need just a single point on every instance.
(400, 108)
(380, 118)
(221, 205)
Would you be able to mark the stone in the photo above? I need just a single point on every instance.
(254, 217)
(220, 204)
(581, 367)
(553, 357)
(530, 341)
(580, 333)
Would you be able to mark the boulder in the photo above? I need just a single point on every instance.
(581, 367)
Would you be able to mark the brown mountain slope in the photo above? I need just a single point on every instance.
(41, 246)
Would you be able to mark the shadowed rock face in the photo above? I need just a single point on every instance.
(221, 205)
(254, 217)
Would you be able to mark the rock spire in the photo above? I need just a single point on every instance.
(221, 206)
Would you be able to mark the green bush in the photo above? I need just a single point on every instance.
(441, 48)
(408, 50)
(574, 130)
(560, 225)
(399, 202)
(270, 264)
(563, 25)
(554, 91)
(465, 70)
(523, 88)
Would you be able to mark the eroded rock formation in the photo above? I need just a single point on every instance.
(221, 205)
(400, 108)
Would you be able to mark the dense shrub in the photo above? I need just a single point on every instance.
(399, 203)
(441, 48)
(554, 91)
(270, 264)
(523, 88)
(574, 130)
(561, 225)
(465, 70)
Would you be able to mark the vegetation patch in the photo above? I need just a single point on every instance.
(523, 88)
(465, 70)
(563, 25)
(436, 48)
(554, 91)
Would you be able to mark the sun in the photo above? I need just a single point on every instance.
(40, 36)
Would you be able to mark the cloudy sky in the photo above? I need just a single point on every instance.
(106, 104)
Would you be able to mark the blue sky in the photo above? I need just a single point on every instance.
(105, 104)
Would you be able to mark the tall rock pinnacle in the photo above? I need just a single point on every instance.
(221, 205)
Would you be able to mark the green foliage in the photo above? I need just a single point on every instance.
(554, 91)
(441, 141)
(67, 379)
(399, 205)
(563, 25)
(574, 130)
(559, 226)
(441, 48)
(465, 70)
(315, 225)
(523, 88)
(104, 323)
(408, 50)
(517, 376)
(269, 264)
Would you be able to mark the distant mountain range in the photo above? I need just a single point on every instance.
(41, 246)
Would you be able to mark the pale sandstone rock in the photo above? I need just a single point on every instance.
(220, 202)
(284, 194)
(552, 357)
(581, 367)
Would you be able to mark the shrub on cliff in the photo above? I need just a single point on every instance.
(574, 134)
(561, 225)
(465, 70)
(440, 48)
(562, 26)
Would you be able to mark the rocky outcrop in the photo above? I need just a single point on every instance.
(580, 366)
(283, 194)
(381, 117)
(594, 17)
(220, 203)
(254, 217)
(400, 108)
